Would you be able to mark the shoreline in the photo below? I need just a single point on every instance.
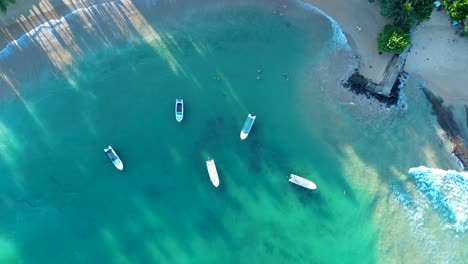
(27, 15)
(385, 73)
(360, 31)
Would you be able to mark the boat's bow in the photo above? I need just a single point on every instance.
(119, 165)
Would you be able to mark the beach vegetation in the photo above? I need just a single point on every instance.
(457, 9)
(407, 13)
(4, 4)
(393, 39)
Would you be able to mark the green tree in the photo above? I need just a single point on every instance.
(390, 8)
(423, 10)
(393, 39)
(407, 13)
(457, 9)
(4, 4)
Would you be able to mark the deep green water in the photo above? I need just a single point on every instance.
(63, 201)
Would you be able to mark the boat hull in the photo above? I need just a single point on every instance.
(213, 173)
(247, 126)
(303, 182)
(179, 110)
(115, 159)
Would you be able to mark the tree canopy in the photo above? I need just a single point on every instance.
(407, 13)
(393, 39)
(4, 4)
(457, 9)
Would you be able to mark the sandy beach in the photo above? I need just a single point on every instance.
(440, 57)
(361, 31)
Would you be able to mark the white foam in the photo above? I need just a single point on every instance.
(49, 25)
(447, 191)
(338, 39)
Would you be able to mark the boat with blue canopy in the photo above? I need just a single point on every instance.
(247, 126)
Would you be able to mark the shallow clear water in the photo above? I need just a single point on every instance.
(62, 199)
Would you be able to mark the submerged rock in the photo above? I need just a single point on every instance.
(447, 122)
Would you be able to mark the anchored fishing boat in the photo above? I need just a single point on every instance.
(302, 182)
(114, 157)
(210, 165)
(179, 110)
(247, 126)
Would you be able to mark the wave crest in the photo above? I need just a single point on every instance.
(447, 191)
(338, 39)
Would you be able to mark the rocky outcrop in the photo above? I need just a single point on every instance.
(447, 122)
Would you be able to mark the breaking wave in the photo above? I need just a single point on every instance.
(338, 39)
(447, 192)
(26, 38)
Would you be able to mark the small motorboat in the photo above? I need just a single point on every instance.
(302, 182)
(247, 126)
(179, 109)
(114, 157)
(210, 165)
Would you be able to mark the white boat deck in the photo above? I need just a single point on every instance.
(210, 165)
(302, 182)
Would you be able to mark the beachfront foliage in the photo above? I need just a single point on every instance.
(393, 39)
(457, 9)
(4, 4)
(407, 13)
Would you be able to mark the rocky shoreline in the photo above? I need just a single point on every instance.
(388, 91)
(447, 122)
(359, 84)
(396, 78)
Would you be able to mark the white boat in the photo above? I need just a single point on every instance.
(247, 126)
(302, 182)
(210, 165)
(114, 157)
(179, 109)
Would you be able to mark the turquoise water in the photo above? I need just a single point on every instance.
(62, 199)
